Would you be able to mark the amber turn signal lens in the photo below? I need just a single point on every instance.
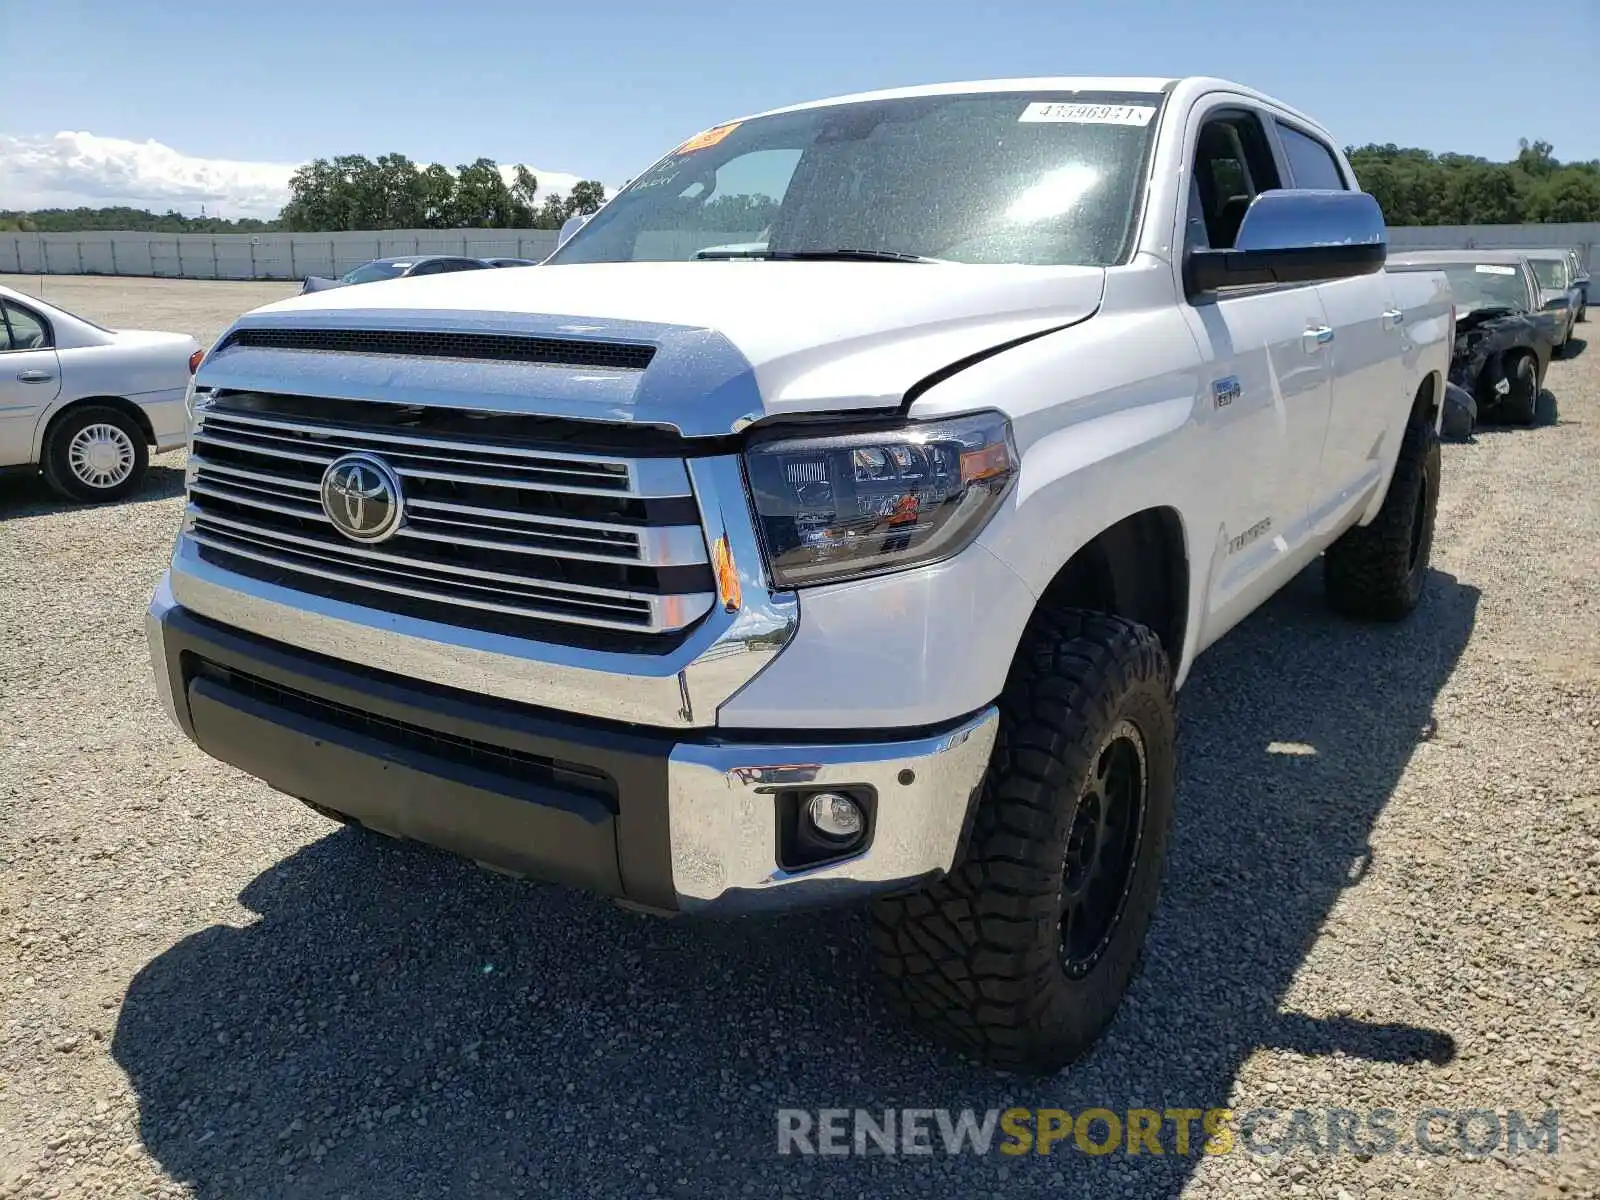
(727, 572)
(985, 463)
(195, 360)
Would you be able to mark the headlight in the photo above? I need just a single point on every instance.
(849, 505)
(194, 400)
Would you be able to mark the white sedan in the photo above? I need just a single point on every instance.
(87, 405)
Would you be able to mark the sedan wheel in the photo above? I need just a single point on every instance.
(101, 456)
(95, 453)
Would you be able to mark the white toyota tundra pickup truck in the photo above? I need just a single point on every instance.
(833, 517)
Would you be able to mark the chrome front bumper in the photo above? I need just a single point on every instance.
(681, 689)
(721, 801)
(694, 823)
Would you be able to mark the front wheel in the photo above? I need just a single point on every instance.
(1521, 402)
(95, 454)
(1022, 954)
(1376, 571)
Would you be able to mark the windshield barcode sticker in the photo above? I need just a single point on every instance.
(1487, 269)
(1089, 114)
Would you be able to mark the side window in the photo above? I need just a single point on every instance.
(429, 268)
(1310, 162)
(27, 330)
(461, 264)
(1233, 164)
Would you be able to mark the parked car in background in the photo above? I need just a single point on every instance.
(85, 404)
(866, 565)
(511, 262)
(1504, 339)
(1558, 289)
(1580, 277)
(401, 267)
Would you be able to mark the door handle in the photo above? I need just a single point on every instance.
(35, 376)
(1392, 317)
(1317, 335)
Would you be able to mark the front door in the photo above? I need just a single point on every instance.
(1271, 384)
(30, 378)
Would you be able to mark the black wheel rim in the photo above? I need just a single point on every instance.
(1102, 849)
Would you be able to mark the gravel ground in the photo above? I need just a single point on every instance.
(1383, 893)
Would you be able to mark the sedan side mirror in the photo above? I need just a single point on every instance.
(1557, 304)
(1296, 236)
(569, 227)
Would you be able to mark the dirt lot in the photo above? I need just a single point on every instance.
(1384, 894)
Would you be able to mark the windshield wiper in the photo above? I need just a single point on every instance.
(841, 255)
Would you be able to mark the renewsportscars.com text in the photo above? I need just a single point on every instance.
(1171, 1131)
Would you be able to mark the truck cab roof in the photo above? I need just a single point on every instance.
(1182, 87)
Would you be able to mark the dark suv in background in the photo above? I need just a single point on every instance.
(400, 267)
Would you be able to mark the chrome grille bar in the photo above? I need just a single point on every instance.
(489, 527)
(412, 455)
(656, 616)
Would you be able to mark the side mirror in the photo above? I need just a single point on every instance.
(1557, 304)
(569, 227)
(1296, 236)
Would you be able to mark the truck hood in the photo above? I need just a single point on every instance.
(809, 336)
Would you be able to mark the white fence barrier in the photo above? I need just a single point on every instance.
(296, 255)
(1584, 238)
(252, 256)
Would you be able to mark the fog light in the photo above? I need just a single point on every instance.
(836, 817)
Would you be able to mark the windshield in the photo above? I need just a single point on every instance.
(1487, 285)
(374, 271)
(1551, 272)
(1020, 177)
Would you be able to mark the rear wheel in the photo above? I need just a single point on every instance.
(96, 453)
(1376, 571)
(1022, 954)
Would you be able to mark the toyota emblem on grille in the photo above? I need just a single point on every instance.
(361, 495)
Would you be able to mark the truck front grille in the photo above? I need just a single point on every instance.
(500, 532)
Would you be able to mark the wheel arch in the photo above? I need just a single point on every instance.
(120, 403)
(1427, 405)
(1511, 356)
(1137, 568)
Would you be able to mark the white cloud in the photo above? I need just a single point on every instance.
(73, 169)
(549, 181)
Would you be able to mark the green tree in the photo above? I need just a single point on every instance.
(587, 197)
(1415, 187)
(483, 201)
(1536, 158)
(1571, 196)
(1481, 195)
(552, 214)
(525, 188)
(438, 192)
(403, 192)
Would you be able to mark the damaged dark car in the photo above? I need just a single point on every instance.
(1504, 338)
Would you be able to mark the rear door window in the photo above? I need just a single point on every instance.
(1312, 163)
(22, 329)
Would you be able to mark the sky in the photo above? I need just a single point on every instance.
(173, 103)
